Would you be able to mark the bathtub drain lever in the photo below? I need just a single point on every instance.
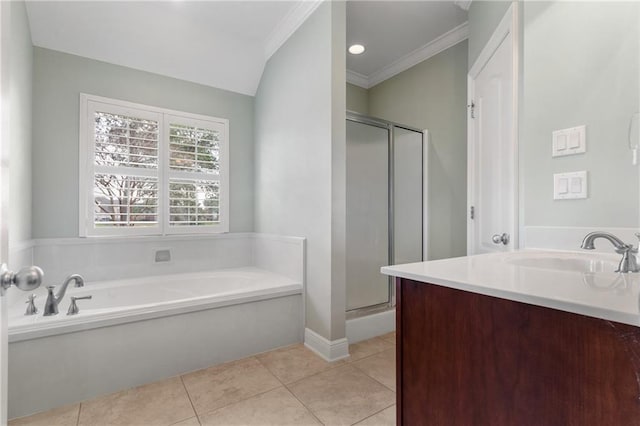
(73, 307)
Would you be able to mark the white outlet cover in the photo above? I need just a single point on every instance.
(569, 141)
(570, 186)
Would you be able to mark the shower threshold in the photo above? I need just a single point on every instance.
(369, 310)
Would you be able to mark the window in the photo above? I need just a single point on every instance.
(151, 171)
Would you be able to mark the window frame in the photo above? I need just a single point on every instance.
(165, 117)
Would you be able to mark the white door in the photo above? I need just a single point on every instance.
(28, 278)
(492, 167)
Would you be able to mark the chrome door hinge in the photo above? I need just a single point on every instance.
(472, 109)
(472, 212)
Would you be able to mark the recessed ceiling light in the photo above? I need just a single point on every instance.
(356, 49)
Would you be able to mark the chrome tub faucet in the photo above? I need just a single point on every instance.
(51, 305)
(73, 307)
(628, 263)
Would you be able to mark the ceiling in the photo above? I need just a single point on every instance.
(222, 44)
(399, 34)
(226, 44)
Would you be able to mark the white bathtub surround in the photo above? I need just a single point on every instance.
(369, 326)
(329, 350)
(569, 238)
(58, 370)
(108, 258)
(220, 298)
(282, 255)
(579, 282)
(21, 254)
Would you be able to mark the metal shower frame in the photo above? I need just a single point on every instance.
(390, 127)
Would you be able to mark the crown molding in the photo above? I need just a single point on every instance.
(357, 79)
(445, 41)
(289, 24)
(463, 4)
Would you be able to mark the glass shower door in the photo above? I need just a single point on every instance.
(407, 196)
(367, 222)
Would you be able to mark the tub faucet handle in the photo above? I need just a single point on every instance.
(73, 307)
(31, 307)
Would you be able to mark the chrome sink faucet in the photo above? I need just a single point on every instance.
(51, 305)
(628, 263)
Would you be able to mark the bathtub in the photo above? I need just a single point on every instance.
(136, 331)
(129, 300)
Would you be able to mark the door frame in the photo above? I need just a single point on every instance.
(508, 25)
(4, 200)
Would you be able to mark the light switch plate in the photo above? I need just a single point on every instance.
(569, 141)
(570, 186)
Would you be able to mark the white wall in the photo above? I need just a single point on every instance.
(484, 17)
(295, 113)
(59, 78)
(432, 95)
(579, 64)
(357, 99)
(575, 77)
(338, 170)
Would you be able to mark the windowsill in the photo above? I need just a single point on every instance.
(123, 239)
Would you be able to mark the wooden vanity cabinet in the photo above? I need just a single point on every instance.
(468, 359)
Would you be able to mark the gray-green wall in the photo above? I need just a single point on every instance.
(58, 80)
(20, 61)
(300, 110)
(581, 66)
(484, 17)
(432, 95)
(357, 99)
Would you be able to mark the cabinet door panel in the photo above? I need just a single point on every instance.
(472, 359)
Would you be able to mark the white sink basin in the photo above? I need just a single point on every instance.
(575, 262)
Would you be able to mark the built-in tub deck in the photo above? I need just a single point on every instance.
(137, 331)
(128, 300)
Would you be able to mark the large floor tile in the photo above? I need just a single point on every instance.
(368, 347)
(343, 395)
(160, 403)
(389, 337)
(61, 416)
(293, 363)
(385, 417)
(381, 367)
(276, 407)
(215, 387)
(193, 421)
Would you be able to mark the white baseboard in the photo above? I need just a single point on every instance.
(368, 326)
(329, 350)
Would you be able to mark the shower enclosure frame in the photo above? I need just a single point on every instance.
(424, 134)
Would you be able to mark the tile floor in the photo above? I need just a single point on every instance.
(287, 386)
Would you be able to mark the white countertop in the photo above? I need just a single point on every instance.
(579, 282)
